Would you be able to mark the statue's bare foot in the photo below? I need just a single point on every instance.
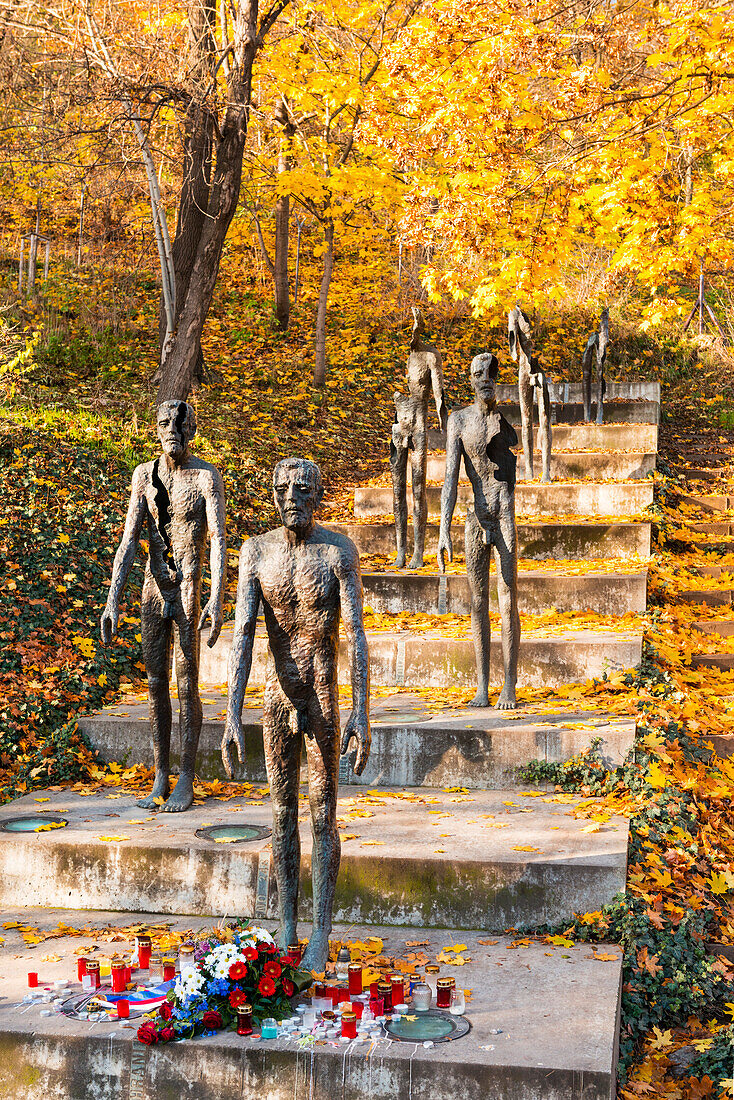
(507, 700)
(400, 561)
(182, 797)
(416, 562)
(161, 789)
(316, 955)
(481, 699)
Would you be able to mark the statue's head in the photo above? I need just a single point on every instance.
(297, 491)
(484, 370)
(176, 423)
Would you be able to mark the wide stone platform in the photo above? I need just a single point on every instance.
(601, 592)
(580, 498)
(543, 1027)
(565, 392)
(431, 659)
(412, 745)
(628, 411)
(604, 465)
(484, 859)
(575, 538)
(583, 436)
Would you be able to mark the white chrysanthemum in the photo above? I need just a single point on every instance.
(254, 935)
(189, 983)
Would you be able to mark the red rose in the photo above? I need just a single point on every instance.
(266, 986)
(165, 1011)
(237, 997)
(273, 969)
(147, 1034)
(288, 987)
(166, 1034)
(250, 953)
(237, 971)
(211, 1019)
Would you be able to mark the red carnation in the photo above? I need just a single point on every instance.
(250, 953)
(237, 997)
(273, 969)
(166, 1034)
(211, 1019)
(288, 987)
(237, 971)
(267, 948)
(147, 1034)
(165, 1011)
(266, 986)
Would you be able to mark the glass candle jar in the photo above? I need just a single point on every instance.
(123, 1009)
(444, 987)
(144, 949)
(119, 974)
(244, 1019)
(186, 957)
(88, 983)
(342, 993)
(384, 990)
(81, 967)
(432, 971)
(295, 953)
(342, 963)
(377, 1006)
(156, 967)
(32, 979)
(458, 1002)
(358, 1009)
(422, 997)
(354, 976)
(269, 1029)
(349, 1025)
(169, 969)
(373, 988)
(398, 989)
(93, 973)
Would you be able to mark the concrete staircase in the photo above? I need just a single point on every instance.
(437, 833)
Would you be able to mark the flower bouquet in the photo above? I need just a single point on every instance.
(232, 967)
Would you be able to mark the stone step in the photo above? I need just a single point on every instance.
(532, 1036)
(580, 498)
(601, 465)
(601, 592)
(723, 627)
(428, 659)
(724, 662)
(713, 597)
(574, 540)
(431, 858)
(582, 436)
(615, 412)
(412, 746)
(565, 392)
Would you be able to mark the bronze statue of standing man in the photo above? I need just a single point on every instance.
(178, 497)
(306, 578)
(482, 436)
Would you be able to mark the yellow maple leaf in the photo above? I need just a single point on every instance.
(112, 839)
(721, 882)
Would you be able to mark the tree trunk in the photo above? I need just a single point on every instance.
(319, 362)
(197, 165)
(179, 368)
(280, 272)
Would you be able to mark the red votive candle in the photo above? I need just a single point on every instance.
(443, 992)
(244, 1019)
(169, 969)
(354, 974)
(374, 992)
(384, 990)
(343, 993)
(320, 991)
(377, 1006)
(145, 949)
(349, 1025)
(81, 967)
(118, 972)
(93, 971)
(332, 991)
(32, 979)
(358, 1009)
(123, 1009)
(295, 951)
(398, 989)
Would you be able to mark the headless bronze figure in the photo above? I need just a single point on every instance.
(305, 577)
(482, 436)
(530, 377)
(410, 434)
(177, 497)
(596, 349)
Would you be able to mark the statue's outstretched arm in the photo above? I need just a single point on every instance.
(217, 558)
(350, 592)
(450, 490)
(125, 555)
(240, 658)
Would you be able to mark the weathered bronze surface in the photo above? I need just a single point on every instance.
(178, 497)
(305, 578)
(482, 436)
(596, 352)
(410, 434)
(530, 377)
